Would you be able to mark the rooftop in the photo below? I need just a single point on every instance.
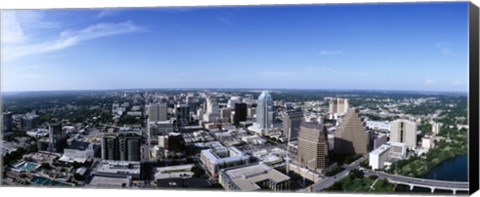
(246, 178)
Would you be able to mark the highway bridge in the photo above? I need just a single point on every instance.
(453, 186)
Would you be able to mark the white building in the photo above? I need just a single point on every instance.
(398, 150)
(232, 101)
(436, 128)
(428, 141)
(264, 114)
(404, 131)
(78, 152)
(378, 125)
(222, 157)
(213, 111)
(379, 156)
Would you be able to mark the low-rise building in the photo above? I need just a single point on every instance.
(252, 178)
(221, 157)
(379, 156)
(119, 169)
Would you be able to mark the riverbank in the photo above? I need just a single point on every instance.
(417, 166)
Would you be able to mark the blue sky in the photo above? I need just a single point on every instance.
(370, 46)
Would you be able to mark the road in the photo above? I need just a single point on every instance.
(428, 183)
(329, 181)
(439, 184)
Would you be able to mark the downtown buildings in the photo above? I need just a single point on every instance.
(404, 131)
(352, 136)
(121, 147)
(264, 114)
(291, 123)
(313, 146)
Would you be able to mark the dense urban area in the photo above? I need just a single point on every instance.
(232, 139)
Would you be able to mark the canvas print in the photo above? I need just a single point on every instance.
(356, 98)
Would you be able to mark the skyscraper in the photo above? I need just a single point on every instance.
(121, 147)
(182, 114)
(240, 113)
(157, 112)
(57, 138)
(313, 146)
(404, 131)
(352, 136)
(338, 106)
(291, 123)
(7, 121)
(264, 111)
(213, 112)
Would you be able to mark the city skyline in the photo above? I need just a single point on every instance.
(363, 47)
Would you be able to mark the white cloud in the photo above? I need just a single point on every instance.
(444, 49)
(429, 81)
(457, 82)
(69, 38)
(12, 32)
(326, 52)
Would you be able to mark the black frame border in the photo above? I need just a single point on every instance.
(474, 99)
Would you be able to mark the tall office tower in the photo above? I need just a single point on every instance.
(291, 123)
(352, 136)
(57, 138)
(182, 114)
(264, 111)
(7, 121)
(338, 106)
(121, 147)
(313, 146)
(404, 131)
(436, 128)
(110, 147)
(157, 112)
(232, 101)
(225, 114)
(240, 113)
(213, 112)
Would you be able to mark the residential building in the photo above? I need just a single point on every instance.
(404, 131)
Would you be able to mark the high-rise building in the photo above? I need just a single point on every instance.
(57, 138)
(264, 112)
(121, 147)
(404, 131)
(157, 112)
(7, 121)
(352, 136)
(29, 121)
(291, 123)
(240, 113)
(225, 114)
(110, 147)
(338, 106)
(313, 146)
(436, 128)
(212, 113)
(182, 114)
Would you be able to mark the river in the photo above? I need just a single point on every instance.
(455, 169)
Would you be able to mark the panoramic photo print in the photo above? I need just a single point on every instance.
(355, 98)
